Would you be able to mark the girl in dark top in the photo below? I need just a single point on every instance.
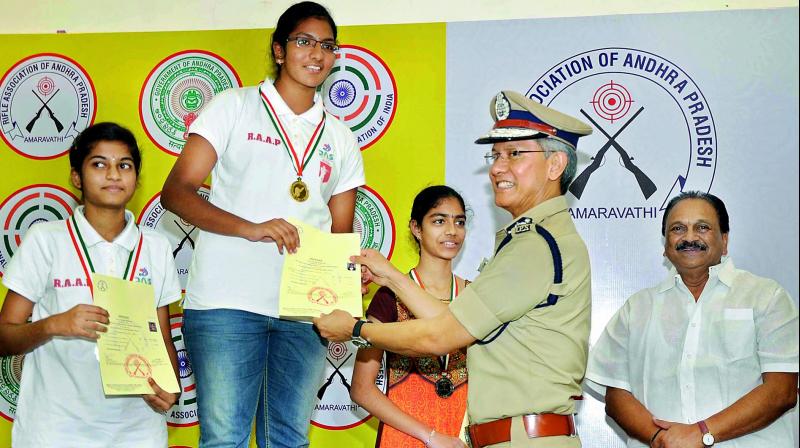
(426, 399)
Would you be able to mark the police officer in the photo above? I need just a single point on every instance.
(525, 318)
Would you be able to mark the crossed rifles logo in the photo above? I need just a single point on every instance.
(186, 238)
(646, 185)
(59, 126)
(321, 391)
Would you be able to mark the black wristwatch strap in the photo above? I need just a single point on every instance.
(357, 328)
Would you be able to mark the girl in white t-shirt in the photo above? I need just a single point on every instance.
(61, 400)
(272, 153)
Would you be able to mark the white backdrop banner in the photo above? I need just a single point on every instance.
(678, 102)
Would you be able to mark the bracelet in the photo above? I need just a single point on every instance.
(653, 439)
(430, 437)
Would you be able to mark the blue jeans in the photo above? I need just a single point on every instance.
(247, 365)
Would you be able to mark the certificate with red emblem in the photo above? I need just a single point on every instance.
(133, 349)
(320, 277)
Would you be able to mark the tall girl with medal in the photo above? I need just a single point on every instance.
(427, 397)
(272, 153)
(49, 280)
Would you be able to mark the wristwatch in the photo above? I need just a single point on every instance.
(708, 438)
(356, 338)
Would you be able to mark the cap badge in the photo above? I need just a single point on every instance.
(501, 106)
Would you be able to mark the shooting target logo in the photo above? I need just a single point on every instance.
(28, 206)
(611, 101)
(654, 134)
(374, 221)
(361, 91)
(45, 101)
(181, 234)
(10, 375)
(184, 412)
(175, 92)
(334, 409)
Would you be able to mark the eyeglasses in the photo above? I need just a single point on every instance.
(308, 42)
(511, 156)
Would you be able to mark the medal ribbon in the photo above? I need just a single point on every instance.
(86, 262)
(453, 293)
(313, 142)
(453, 283)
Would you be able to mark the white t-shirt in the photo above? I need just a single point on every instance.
(686, 360)
(251, 179)
(61, 401)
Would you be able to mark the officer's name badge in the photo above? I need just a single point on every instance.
(483, 264)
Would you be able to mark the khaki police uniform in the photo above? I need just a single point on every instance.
(531, 317)
(537, 364)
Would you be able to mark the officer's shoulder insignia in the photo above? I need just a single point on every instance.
(523, 225)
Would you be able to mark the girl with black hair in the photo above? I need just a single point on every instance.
(61, 401)
(272, 152)
(427, 397)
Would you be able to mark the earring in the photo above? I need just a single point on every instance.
(279, 61)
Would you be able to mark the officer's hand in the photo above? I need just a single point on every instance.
(277, 230)
(161, 400)
(336, 326)
(378, 267)
(83, 321)
(445, 441)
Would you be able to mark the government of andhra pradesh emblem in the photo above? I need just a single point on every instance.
(175, 92)
(10, 376)
(374, 221)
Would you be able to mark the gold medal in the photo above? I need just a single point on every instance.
(299, 190)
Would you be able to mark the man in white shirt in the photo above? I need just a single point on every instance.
(707, 357)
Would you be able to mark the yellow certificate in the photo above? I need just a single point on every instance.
(133, 349)
(319, 277)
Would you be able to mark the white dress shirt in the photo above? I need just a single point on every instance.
(686, 360)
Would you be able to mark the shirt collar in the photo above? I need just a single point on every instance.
(127, 238)
(312, 115)
(724, 272)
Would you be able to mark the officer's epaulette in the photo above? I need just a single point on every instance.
(521, 225)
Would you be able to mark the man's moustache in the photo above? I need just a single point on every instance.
(683, 245)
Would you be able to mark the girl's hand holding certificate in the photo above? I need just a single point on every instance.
(84, 321)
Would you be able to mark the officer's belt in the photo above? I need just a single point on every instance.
(536, 425)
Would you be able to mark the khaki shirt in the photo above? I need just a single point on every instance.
(539, 361)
